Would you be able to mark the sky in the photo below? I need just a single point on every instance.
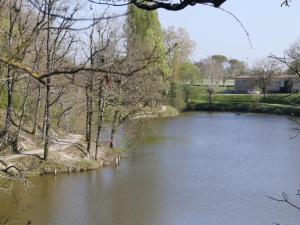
(272, 28)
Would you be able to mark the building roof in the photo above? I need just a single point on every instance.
(246, 76)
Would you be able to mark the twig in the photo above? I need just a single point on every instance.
(237, 19)
(285, 200)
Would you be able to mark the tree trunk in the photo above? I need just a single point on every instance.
(101, 108)
(26, 94)
(113, 129)
(9, 79)
(89, 97)
(87, 114)
(265, 91)
(89, 119)
(10, 92)
(47, 122)
(210, 93)
(36, 111)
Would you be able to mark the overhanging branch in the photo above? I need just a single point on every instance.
(21, 66)
(153, 5)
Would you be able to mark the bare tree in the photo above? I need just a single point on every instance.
(212, 71)
(291, 58)
(18, 35)
(267, 71)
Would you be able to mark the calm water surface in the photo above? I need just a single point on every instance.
(196, 169)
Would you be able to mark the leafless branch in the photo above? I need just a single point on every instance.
(156, 4)
(285, 199)
(286, 3)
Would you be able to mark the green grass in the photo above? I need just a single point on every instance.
(245, 107)
(17, 101)
(3, 99)
(236, 98)
(203, 98)
(286, 104)
(198, 90)
(170, 112)
(199, 94)
(284, 99)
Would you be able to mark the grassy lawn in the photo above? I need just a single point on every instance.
(203, 90)
(199, 95)
(286, 104)
(246, 107)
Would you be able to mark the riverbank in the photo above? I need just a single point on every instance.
(160, 112)
(67, 152)
(281, 104)
(66, 155)
(255, 107)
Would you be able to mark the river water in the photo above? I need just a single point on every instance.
(195, 169)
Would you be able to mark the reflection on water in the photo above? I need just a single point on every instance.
(195, 169)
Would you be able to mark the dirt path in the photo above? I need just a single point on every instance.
(58, 145)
